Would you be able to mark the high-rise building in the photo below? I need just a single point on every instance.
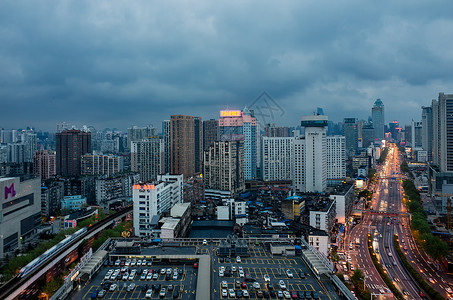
(198, 144)
(147, 158)
(44, 164)
(315, 153)
(71, 145)
(20, 211)
(351, 134)
(167, 145)
(210, 133)
(139, 133)
(16, 153)
(99, 164)
(377, 113)
(299, 163)
(367, 135)
(29, 139)
(277, 159)
(183, 140)
(416, 135)
(271, 130)
(427, 131)
(224, 166)
(242, 125)
(336, 157)
(152, 199)
(443, 132)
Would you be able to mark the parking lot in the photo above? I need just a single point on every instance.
(267, 271)
(181, 286)
(263, 276)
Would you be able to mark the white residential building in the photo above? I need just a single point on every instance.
(344, 196)
(277, 158)
(152, 199)
(319, 240)
(336, 157)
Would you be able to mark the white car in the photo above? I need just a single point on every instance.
(113, 287)
(279, 294)
(286, 294)
(267, 278)
(144, 262)
(149, 294)
(143, 277)
(224, 293)
(256, 285)
(128, 262)
(245, 293)
(224, 284)
(231, 293)
(133, 262)
(155, 276)
(117, 262)
(221, 273)
(282, 285)
(241, 274)
(240, 268)
(162, 271)
(162, 293)
(139, 262)
(205, 242)
(222, 268)
(233, 268)
(150, 276)
(125, 276)
(238, 259)
(289, 273)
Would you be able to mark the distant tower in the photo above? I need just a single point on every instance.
(71, 145)
(351, 134)
(377, 113)
(44, 164)
(183, 151)
(427, 131)
(315, 155)
(443, 132)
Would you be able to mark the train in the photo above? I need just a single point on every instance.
(37, 262)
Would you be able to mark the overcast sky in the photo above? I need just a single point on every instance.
(122, 63)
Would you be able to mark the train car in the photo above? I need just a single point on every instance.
(43, 257)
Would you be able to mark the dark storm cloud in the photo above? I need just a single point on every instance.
(115, 63)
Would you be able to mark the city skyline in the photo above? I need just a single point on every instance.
(118, 64)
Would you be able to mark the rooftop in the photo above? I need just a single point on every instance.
(179, 209)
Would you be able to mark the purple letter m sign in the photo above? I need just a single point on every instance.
(10, 190)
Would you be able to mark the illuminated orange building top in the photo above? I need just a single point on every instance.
(143, 187)
(230, 113)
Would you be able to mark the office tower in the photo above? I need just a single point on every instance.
(183, 139)
(210, 133)
(44, 164)
(71, 145)
(427, 131)
(152, 199)
(395, 131)
(277, 159)
(367, 135)
(20, 209)
(139, 133)
(443, 132)
(99, 164)
(167, 145)
(416, 135)
(147, 158)
(351, 135)
(377, 113)
(242, 125)
(198, 131)
(315, 153)
(224, 166)
(336, 157)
